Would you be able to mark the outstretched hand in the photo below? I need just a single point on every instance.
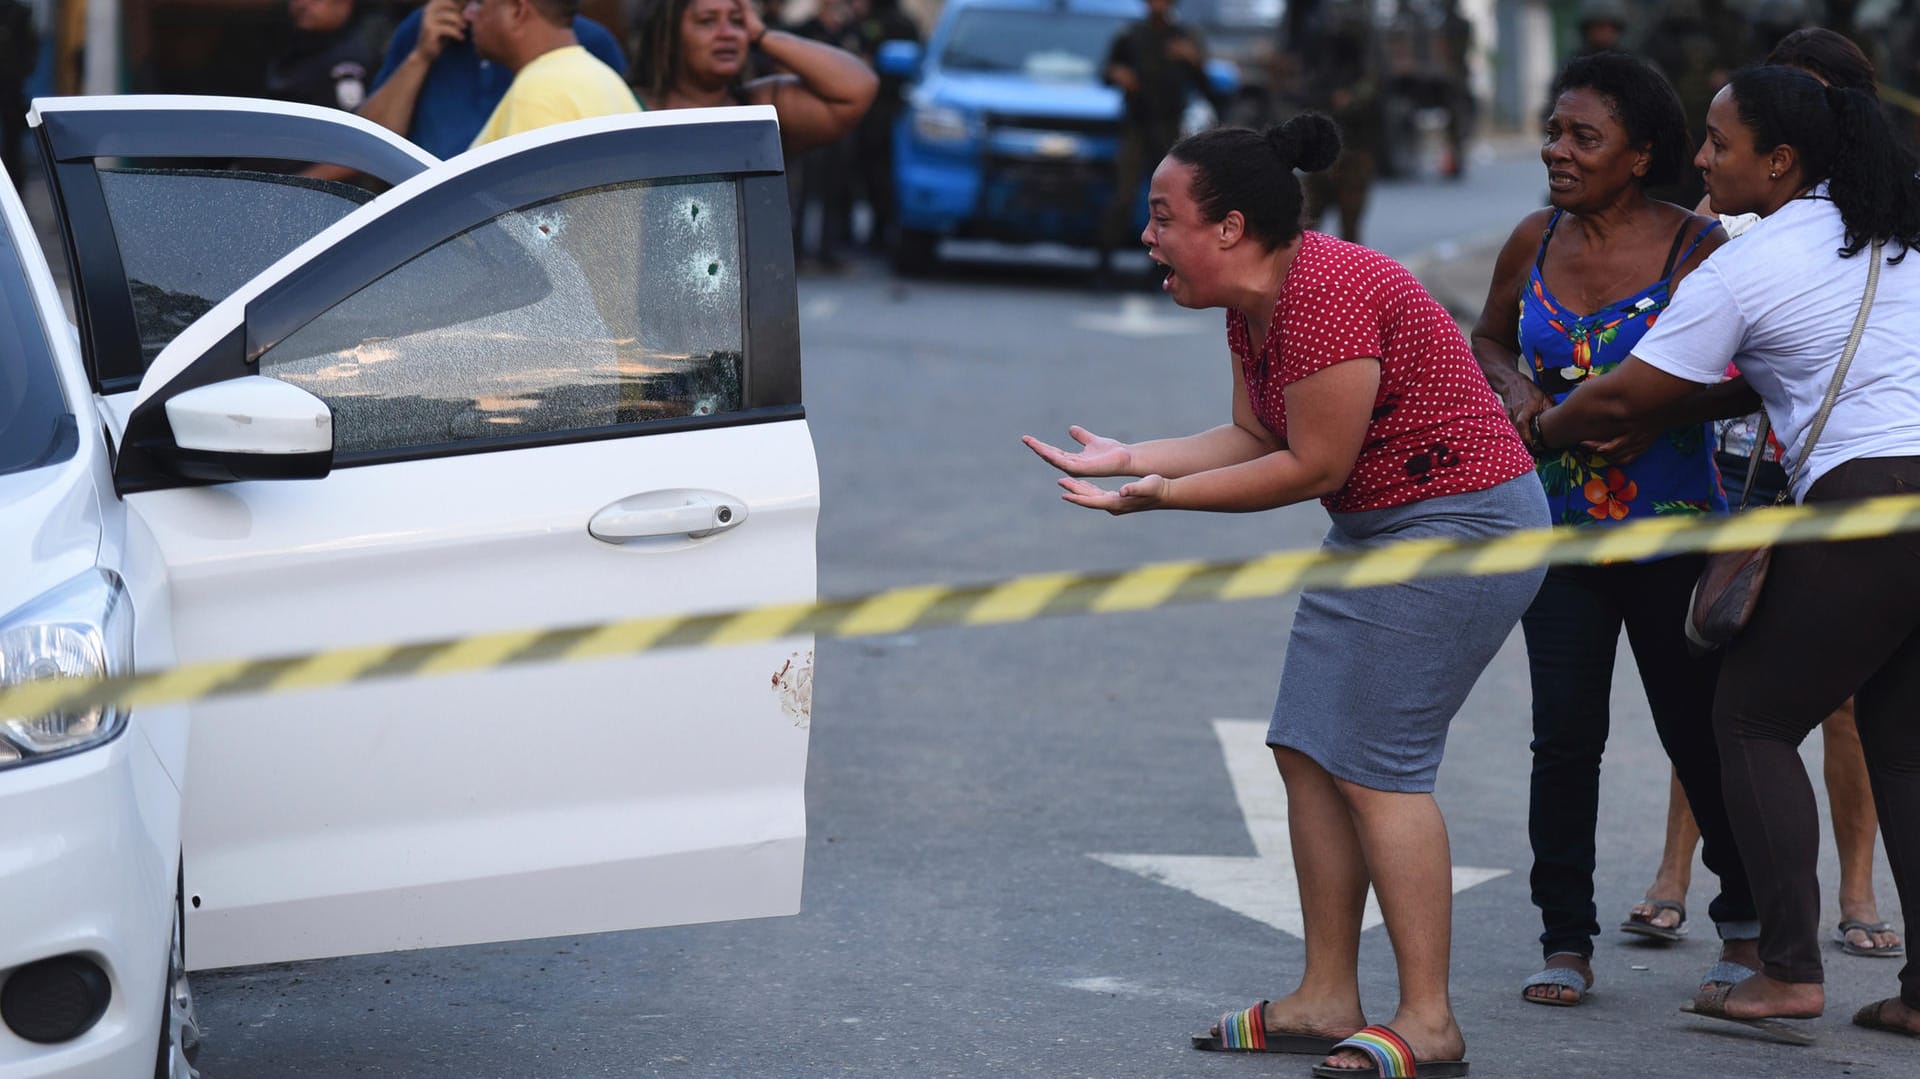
(1145, 493)
(1097, 456)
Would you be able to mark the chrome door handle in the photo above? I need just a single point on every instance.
(677, 512)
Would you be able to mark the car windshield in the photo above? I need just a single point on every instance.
(1066, 46)
(36, 422)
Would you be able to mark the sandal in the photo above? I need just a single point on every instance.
(1643, 924)
(1712, 1004)
(1563, 977)
(1392, 1059)
(1871, 1018)
(1245, 1031)
(1850, 925)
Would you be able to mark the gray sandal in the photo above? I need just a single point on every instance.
(1564, 978)
(1643, 925)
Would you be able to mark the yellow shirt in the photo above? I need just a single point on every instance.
(565, 84)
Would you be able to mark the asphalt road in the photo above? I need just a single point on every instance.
(957, 920)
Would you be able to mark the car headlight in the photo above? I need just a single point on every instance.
(82, 629)
(939, 123)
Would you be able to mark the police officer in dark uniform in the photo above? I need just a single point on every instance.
(1155, 62)
(330, 58)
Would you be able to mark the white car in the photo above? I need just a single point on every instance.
(554, 382)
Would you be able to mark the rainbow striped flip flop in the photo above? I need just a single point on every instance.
(1392, 1059)
(1246, 1031)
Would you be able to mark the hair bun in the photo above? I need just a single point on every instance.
(1309, 142)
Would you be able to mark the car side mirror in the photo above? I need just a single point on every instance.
(1223, 76)
(253, 427)
(900, 59)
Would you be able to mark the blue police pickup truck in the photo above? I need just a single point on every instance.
(1009, 128)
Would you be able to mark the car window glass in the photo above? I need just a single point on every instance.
(1055, 45)
(615, 306)
(189, 237)
(37, 424)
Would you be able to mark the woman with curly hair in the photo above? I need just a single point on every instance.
(696, 54)
(1575, 288)
(1353, 386)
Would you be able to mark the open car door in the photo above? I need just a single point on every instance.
(563, 380)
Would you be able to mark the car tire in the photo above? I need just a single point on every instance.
(915, 252)
(179, 1040)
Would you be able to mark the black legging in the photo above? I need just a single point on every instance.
(1834, 620)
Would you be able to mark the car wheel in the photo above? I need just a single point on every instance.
(915, 252)
(179, 1024)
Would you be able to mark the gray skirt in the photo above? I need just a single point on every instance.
(1373, 676)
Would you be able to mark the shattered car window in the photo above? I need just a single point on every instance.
(189, 237)
(615, 306)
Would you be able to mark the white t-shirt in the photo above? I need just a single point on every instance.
(1780, 303)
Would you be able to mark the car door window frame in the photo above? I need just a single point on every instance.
(73, 137)
(397, 227)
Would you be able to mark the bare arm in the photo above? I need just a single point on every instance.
(1327, 417)
(1634, 394)
(1496, 336)
(827, 92)
(392, 105)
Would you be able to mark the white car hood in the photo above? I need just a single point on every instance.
(50, 529)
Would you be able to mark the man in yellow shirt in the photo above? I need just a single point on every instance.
(554, 79)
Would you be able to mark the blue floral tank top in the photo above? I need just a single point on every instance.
(1562, 349)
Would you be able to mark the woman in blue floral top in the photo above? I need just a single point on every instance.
(1575, 288)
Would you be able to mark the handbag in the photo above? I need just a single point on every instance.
(1728, 590)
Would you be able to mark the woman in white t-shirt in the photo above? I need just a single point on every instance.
(1829, 180)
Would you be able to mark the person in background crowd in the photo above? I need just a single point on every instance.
(882, 22)
(1350, 385)
(329, 57)
(1840, 207)
(19, 55)
(1574, 288)
(1694, 43)
(1343, 71)
(554, 78)
(1602, 24)
(696, 53)
(828, 172)
(1836, 61)
(1155, 62)
(435, 90)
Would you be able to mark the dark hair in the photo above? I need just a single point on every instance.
(1237, 168)
(1830, 56)
(557, 12)
(1644, 103)
(1841, 137)
(656, 59)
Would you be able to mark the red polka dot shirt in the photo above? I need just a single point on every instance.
(1437, 427)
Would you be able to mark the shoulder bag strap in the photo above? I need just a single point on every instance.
(1840, 372)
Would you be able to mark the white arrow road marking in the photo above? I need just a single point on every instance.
(1262, 887)
(1141, 316)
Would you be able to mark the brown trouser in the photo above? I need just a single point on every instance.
(1834, 620)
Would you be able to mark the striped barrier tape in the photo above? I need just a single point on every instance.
(1018, 599)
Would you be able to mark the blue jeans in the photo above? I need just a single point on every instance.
(1572, 631)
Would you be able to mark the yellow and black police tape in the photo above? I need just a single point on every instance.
(1018, 599)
